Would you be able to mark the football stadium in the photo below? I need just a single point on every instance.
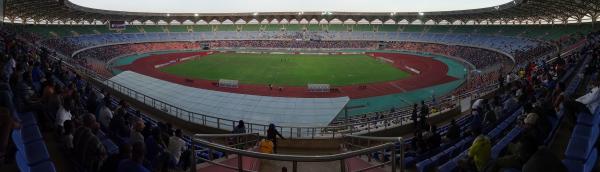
(280, 85)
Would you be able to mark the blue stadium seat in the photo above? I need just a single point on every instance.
(451, 151)
(500, 145)
(461, 144)
(408, 160)
(21, 161)
(448, 166)
(28, 119)
(586, 132)
(589, 120)
(36, 152)
(578, 148)
(495, 132)
(502, 126)
(17, 139)
(509, 170)
(47, 166)
(440, 157)
(31, 134)
(423, 165)
(581, 166)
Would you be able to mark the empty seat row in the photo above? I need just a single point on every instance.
(581, 154)
(32, 154)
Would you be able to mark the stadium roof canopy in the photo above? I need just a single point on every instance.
(259, 6)
(517, 11)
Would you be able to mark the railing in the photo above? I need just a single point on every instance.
(389, 144)
(361, 142)
(446, 102)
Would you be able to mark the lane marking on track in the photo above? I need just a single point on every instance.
(398, 87)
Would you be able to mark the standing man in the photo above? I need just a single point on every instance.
(414, 115)
(272, 134)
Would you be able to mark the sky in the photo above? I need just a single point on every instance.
(242, 6)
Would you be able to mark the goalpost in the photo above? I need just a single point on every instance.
(228, 83)
(319, 88)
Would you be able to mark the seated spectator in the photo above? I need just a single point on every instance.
(453, 131)
(68, 135)
(176, 146)
(64, 113)
(518, 154)
(489, 116)
(418, 143)
(530, 128)
(118, 127)
(136, 131)
(434, 138)
(476, 120)
(88, 149)
(154, 149)
(479, 153)
(134, 164)
(559, 96)
(112, 163)
(544, 160)
(105, 114)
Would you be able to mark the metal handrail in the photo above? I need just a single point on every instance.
(391, 145)
(200, 136)
(391, 139)
(282, 157)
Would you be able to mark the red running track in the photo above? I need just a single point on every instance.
(432, 72)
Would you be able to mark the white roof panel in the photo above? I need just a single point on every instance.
(282, 111)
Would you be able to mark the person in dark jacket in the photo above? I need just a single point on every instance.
(272, 134)
(453, 131)
(434, 139)
(112, 163)
(414, 116)
(240, 128)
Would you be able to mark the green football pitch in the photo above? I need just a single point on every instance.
(288, 70)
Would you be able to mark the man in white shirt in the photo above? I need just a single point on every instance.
(63, 113)
(176, 146)
(105, 114)
(136, 131)
(592, 99)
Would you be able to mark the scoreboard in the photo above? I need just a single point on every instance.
(117, 25)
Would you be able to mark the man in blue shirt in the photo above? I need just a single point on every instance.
(134, 164)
